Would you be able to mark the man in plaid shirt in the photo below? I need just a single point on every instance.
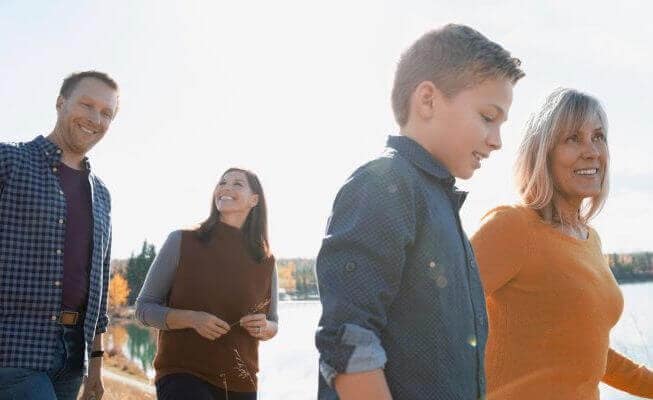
(55, 248)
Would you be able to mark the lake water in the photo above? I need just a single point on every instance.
(633, 335)
(288, 363)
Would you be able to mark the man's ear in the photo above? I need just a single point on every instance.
(59, 103)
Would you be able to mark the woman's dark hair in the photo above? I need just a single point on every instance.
(255, 228)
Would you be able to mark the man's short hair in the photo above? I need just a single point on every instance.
(70, 83)
(453, 58)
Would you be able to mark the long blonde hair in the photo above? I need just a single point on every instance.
(564, 110)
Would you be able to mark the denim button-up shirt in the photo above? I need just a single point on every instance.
(398, 282)
(32, 236)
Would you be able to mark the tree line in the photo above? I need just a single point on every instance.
(128, 276)
(631, 267)
(297, 279)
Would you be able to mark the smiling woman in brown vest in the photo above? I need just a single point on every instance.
(212, 293)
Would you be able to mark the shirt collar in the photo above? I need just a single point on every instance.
(53, 153)
(418, 156)
(458, 197)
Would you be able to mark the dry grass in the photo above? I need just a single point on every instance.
(253, 310)
(241, 369)
(121, 364)
(114, 390)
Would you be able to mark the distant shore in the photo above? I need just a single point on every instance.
(635, 279)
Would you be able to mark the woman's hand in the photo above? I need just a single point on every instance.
(258, 326)
(207, 325)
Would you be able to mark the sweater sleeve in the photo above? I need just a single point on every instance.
(500, 246)
(623, 374)
(273, 314)
(150, 304)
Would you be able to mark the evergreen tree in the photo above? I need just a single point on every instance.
(137, 267)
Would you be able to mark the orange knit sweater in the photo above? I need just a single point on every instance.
(551, 302)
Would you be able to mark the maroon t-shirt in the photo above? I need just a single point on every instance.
(77, 248)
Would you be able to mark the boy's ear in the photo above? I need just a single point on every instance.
(426, 98)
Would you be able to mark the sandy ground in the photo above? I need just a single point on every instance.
(119, 390)
(120, 386)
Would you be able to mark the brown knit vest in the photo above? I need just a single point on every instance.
(218, 277)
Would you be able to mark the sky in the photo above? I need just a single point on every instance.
(299, 92)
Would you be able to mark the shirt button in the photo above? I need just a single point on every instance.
(58, 251)
(61, 192)
(57, 283)
(61, 220)
(54, 169)
(54, 318)
(350, 267)
(58, 151)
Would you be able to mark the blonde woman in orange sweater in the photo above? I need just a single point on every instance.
(551, 297)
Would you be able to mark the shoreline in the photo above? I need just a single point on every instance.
(627, 281)
(127, 314)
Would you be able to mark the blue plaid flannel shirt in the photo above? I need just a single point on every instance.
(31, 254)
(399, 285)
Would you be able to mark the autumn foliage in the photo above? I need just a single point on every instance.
(286, 272)
(118, 291)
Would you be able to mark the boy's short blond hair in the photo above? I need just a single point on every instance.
(454, 57)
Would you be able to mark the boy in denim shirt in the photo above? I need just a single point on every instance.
(403, 308)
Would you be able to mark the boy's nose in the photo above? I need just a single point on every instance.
(494, 139)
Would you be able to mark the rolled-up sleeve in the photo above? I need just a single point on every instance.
(360, 265)
(151, 309)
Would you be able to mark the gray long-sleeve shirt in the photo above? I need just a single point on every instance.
(150, 304)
